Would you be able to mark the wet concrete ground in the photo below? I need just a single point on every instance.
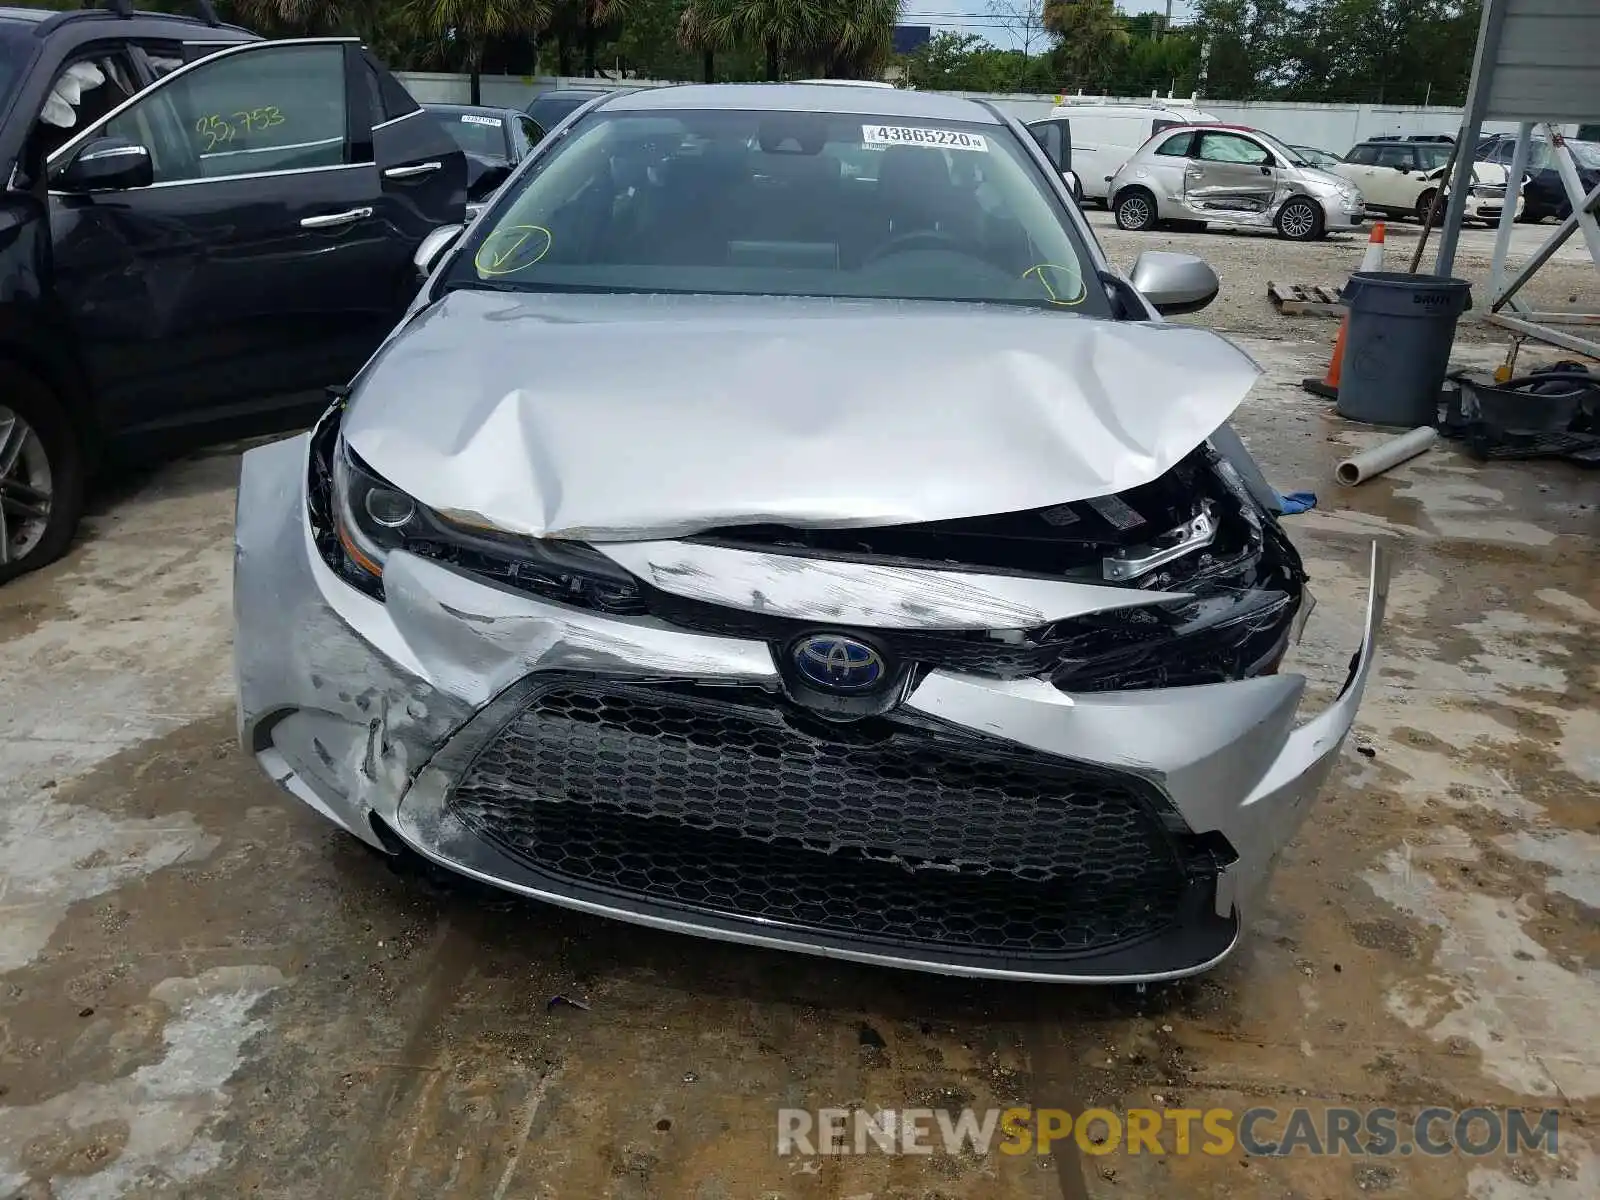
(206, 991)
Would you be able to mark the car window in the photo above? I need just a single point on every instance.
(761, 203)
(1176, 146)
(269, 108)
(550, 110)
(483, 134)
(1362, 156)
(1230, 148)
(1433, 156)
(83, 91)
(1539, 155)
(1049, 136)
(1586, 154)
(531, 130)
(395, 101)
(1396, 156)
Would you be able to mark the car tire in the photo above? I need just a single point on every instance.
(1424, 203)
(1300, 220)
(1136, 211)
(39, 451)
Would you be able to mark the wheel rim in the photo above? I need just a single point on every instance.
(1135, 211)
(1424, 207)
(1299, 220)
(25, 487)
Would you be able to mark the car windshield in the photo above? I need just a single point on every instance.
(784, 203)
(1586, 154)
(479, 133)
(1281, 150)
(550, 110)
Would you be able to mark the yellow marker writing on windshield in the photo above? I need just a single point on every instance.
(512, 249)
(1042, 273)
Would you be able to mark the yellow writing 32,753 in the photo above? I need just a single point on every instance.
(218, 129)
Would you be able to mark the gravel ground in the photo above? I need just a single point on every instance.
(1248, 261)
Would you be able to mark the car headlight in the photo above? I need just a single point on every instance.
(1349, 195)
(359, 518)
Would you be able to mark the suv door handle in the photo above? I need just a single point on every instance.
(329, 220)
(412, 171)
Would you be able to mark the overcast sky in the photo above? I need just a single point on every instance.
(974, 16)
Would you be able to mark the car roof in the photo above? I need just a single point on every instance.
(47, 20)
(441, 106)
(806, 97)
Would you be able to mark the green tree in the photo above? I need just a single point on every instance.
(470, 25)
(830, 37)
(1092, 35)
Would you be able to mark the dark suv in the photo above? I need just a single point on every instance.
(1546, 194)
(199, 231)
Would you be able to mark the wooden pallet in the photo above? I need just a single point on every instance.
(1296, 300)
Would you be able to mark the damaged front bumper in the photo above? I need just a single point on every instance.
(428, 718)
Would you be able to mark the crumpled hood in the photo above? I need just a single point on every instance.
(620, 418)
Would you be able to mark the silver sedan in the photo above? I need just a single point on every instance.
(1231, 175)
(776, 522)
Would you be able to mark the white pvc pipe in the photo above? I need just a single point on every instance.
(1359, 468)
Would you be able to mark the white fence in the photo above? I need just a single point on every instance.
(1332, 127)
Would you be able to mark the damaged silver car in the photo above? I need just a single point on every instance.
(776, 521)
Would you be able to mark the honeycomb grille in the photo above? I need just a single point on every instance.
(715, 802)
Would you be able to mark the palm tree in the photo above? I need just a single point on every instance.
(857, 36)
(696, 32)
(850, 35)
(472, 24)
(1091, 31)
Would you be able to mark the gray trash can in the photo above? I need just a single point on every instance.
(1397, 345)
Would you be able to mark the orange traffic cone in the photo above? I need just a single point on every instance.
(1372, 260)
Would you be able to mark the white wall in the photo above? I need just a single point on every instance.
(1331, 127)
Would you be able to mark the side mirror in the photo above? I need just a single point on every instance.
(1175, 283)
(432, 246)
(107, 164)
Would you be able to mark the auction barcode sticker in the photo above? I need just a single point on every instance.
(911, 135)
(475, 119)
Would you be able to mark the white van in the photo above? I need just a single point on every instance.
(1104, 136)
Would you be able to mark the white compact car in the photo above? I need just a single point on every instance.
(1402, 178)
(1231, 175)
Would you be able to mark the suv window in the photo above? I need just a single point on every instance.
(1176, 146)
(269, 110)
(1362, 156)
(1432, 156)
(1396, 155)
(1230, 148)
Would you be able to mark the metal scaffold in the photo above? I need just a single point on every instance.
(1538, 63)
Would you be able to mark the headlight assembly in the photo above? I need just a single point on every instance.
(358, 519)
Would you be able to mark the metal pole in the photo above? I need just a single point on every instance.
(1508, 214)
(1433, 210)
(1483, 69)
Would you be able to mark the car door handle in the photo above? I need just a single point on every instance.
(330, 220)
(412, 171)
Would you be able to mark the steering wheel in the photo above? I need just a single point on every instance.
(917, 239)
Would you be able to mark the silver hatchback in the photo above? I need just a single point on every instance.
(1231, 175)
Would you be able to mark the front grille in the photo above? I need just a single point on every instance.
(711, 800)
(973, 653)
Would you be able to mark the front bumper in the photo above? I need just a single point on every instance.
(376, 715)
